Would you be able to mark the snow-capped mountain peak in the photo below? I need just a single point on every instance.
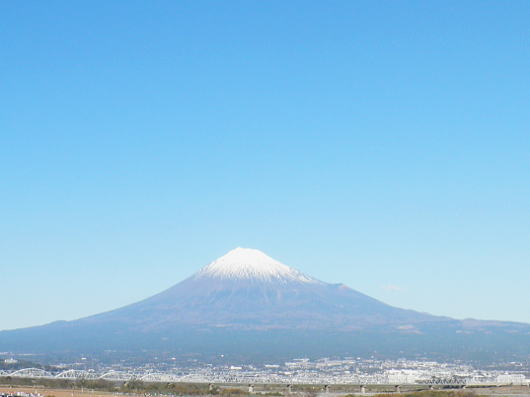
(248, 263)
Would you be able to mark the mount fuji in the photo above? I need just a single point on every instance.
(248, 290)
(249, 306)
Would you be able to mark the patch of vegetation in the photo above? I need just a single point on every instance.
(161, 388)
(21, 364)
(431, 393)
(233, 391)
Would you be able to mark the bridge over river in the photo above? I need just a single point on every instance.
(358, 384)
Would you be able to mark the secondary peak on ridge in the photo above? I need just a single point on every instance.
(248, 263)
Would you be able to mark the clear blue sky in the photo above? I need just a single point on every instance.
(382, 144)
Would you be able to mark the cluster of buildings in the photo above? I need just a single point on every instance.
(350, 370)
(322, 371)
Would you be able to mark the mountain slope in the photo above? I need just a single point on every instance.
(246, 289)
(248, 303)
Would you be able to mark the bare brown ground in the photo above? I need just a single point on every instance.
(49, 392)
(59, 392)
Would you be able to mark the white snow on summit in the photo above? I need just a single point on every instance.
(247, 263)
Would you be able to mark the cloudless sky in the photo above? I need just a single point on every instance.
(384, 145)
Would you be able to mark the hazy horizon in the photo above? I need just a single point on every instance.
(197, 271)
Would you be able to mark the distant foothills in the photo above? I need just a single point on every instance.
(246, 306)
